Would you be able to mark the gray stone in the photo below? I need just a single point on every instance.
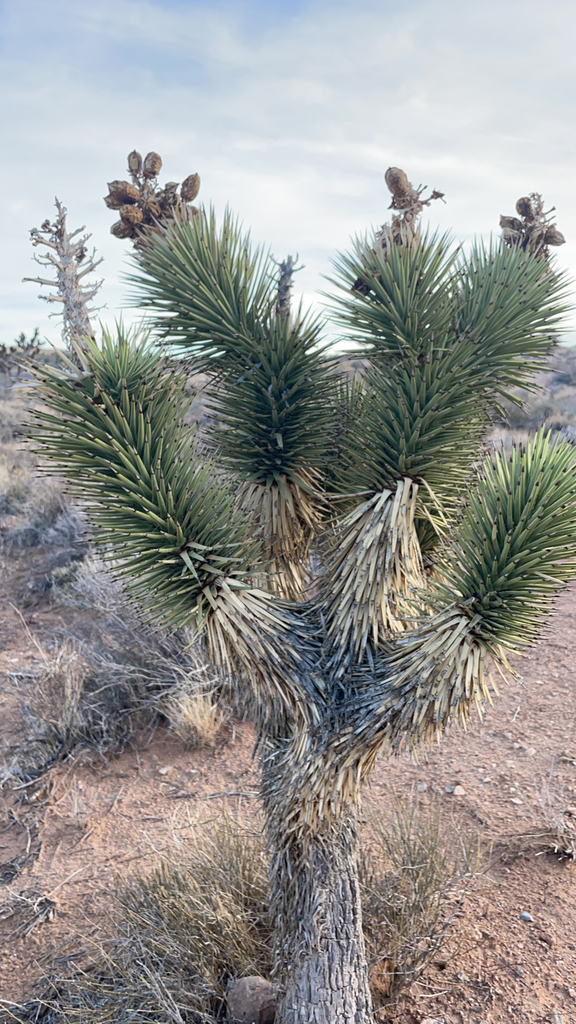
(526, 917)
(251, 1000)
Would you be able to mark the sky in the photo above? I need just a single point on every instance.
(289, 111)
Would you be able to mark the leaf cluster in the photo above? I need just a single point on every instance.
(117, 433)
(215, 296)
(444, 338)
(516, 542)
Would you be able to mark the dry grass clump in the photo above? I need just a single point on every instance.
(16, 481)
(414, 880)
(554, 817)
(180, 933)
(196, 718)
(13, 414)
(201, 917)
(45, 516)
(96, 688)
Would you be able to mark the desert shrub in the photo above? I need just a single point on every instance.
(95, 688)
(414, 876)
(552, 404)
(199, 918)
(553, 828)
(16, 480)
(195, 717)
(180, 932)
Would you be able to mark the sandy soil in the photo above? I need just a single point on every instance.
(62, 842)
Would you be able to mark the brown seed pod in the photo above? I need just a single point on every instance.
(134, 162)
(168, 196)
(122, 192)
(524, 208)
(112, 202)
(535, 235)
(398, 183)
(511, 222)
(152, 209)
(120, 229)
(131, 214)
(190, 187)
(511, 237)
(152, 165)
(553, 236)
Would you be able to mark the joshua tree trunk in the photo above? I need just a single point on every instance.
(321, 968)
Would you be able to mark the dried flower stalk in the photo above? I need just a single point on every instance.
(68, 255)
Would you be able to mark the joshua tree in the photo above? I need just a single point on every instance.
(347, 548)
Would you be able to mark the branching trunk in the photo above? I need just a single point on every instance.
(321, 968)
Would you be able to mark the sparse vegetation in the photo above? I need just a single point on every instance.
(95, 689)
(554, 819)
(201, 917)
(414, 881)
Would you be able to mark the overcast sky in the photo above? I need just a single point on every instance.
(290, 110)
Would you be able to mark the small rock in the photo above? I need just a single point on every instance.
(166, 771)
(546, 937)
(572, 993)
(449, 789)
(459, 791)
(519, 970)
(432, 1020)
(421, 787)
(524, 916)
(462, 977)
(530, 752)
(251, 1000)
(556, 1017)
(515, 800)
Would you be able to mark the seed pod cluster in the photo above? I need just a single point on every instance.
(143, 205)
(532, 230)
(404, 230)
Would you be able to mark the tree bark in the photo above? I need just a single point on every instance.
(321, 968)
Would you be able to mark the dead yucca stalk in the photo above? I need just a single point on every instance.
(375, 568)
(67, 257)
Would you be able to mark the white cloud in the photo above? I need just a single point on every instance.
(292, 118)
